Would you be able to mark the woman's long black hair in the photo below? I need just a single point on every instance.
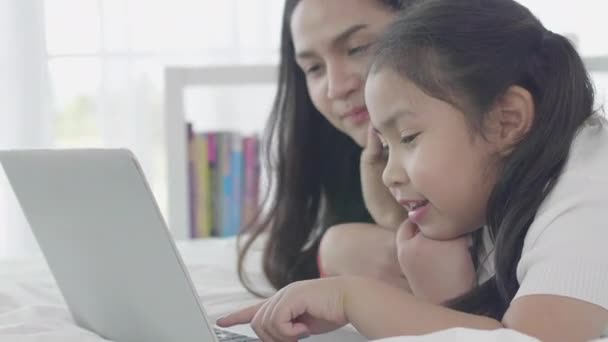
(314, 174)
(468, 53)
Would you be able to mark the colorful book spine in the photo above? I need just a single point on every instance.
(251, 180)
(212, 156)
(203, 224)
(236, 173)
(226, 193)
(191, 180)
(223, 189)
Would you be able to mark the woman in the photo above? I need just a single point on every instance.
(314, 140)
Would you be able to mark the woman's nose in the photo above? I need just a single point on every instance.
(342, 81)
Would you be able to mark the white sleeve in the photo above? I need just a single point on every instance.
(565, 252)
(466, 334)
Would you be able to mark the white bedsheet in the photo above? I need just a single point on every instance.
(33, 310)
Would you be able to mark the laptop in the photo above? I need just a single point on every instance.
(109, 249)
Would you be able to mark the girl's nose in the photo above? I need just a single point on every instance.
(394, 174)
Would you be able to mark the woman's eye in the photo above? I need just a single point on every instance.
(408, 139)
(313, 69)
(358, 49)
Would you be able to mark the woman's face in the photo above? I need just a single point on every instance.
(332, 40)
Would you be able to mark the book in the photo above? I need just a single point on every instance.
(226, 193)
(223, 174)
(192, 179)
(251, 180)
(203, 190)
(236, 174)
(214, 191)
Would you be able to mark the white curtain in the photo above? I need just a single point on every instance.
(104, 62)
(24, 106)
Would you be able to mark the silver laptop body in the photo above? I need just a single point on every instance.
(107, 245)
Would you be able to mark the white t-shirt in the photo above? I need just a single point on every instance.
(565, 251)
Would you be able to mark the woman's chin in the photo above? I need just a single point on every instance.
(359, 135)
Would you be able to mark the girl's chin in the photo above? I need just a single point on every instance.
(435, 233)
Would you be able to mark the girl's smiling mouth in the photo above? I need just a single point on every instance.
(416, 209)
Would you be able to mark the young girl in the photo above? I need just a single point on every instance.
(487, 119)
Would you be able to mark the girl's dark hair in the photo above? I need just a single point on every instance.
(314, 174)
(468, 53)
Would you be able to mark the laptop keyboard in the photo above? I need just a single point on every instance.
(227, 336)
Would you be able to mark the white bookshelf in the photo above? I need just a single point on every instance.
(177, 79)
(597, 63)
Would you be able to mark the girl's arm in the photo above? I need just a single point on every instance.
(437, 271)
(377, 311)
(556, 318)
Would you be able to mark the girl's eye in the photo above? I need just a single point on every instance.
(408, 139)
(358, 49)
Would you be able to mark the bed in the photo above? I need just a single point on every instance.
(32, 308)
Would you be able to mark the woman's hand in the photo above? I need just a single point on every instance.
(436, 271)
(361, 249)
(379, 201)
(298, 310)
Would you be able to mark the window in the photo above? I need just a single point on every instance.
(106, 64)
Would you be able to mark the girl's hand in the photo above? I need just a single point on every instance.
(298, 310)
(437, 271)
(380, 203)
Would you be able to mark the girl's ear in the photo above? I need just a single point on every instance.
(512, 118)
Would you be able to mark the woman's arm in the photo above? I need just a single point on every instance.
(380, 203)
(361, 249)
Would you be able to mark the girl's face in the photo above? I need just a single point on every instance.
(331, 40)
(438, 168)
